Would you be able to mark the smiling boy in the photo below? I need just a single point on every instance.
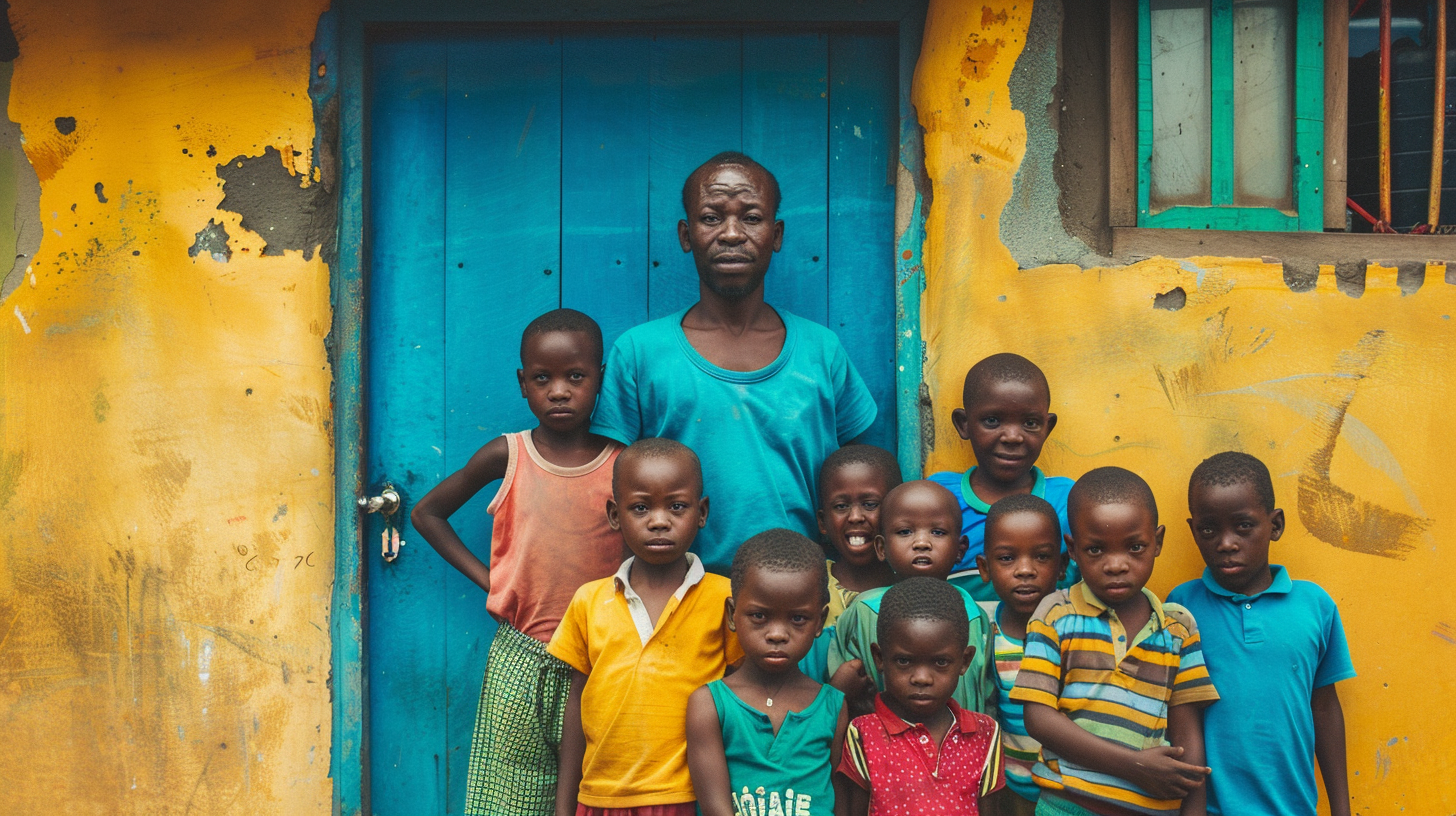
(1275, 648)
(761, 394)
(1006, 415)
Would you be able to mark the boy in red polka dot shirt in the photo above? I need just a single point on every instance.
(919, 753)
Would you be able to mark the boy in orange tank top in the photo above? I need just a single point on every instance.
(550, 535)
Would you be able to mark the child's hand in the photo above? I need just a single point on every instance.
(1160, 773)
(852, 679)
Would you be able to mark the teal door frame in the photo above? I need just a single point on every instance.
(337, 87)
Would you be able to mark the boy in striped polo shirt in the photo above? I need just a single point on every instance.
(1113, 681)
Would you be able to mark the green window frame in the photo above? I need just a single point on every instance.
(1309, 92)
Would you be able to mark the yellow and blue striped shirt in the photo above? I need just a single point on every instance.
(1080, 660)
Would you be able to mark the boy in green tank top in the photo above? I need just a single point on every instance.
(766, 738)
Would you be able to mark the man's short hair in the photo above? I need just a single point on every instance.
(1110, 485)
(1233, 468)
(923, 598)
(1003, 367)
(1024, 503)
(874, 457)
(564, 320)
(732, 158)
(780, 550)
(657, 447)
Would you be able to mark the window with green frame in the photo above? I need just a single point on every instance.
(1230, 115)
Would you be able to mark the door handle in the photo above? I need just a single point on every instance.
(386, 504)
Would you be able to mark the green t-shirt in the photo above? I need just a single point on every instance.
(856, 630)
(787, 772)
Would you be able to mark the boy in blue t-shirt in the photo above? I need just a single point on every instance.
(1274, 647)
(1005, 415)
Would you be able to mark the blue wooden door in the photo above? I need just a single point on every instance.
(515, 172)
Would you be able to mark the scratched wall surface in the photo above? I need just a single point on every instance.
(165, 495)
(1342, 396)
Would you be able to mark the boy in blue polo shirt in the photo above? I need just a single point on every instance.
(1274, 648)
(1006, 415)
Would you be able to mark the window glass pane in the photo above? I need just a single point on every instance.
(1180, 165)
(1264, 103)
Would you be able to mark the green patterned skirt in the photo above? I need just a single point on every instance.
(513, 754)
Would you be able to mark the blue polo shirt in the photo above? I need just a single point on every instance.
(1266, 653)
(973, 526)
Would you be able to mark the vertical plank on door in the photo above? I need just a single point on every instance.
(785, 128)
(863, 117)
(604, 144)
(696, 111)
(406, 421)
(502, 265)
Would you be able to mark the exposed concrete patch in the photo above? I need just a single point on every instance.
(284, 209)
(100, 194)
(1031, 224)
(66, 125)
(9, 45)
(1410, 276)
(19, 246)
(1172, 300)
(1300, 275)
(212, 239)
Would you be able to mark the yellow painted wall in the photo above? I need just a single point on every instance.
(164, 439)
(1343, 398)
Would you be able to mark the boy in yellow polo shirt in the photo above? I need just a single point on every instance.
(639, 643)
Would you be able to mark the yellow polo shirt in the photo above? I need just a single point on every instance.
(634, 706)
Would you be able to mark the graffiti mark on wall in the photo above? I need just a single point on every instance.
(1335, 515)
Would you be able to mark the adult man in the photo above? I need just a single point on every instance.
(761, 395)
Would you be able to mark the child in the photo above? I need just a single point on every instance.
(1112, 676)
(1023, 562)
(919, 535)
(764, 739)
(639, 643)
(919, 752)
(1005, 416)
(1275, 648)
(549, 536)
(852, 484)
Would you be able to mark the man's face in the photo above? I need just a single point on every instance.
(730, 230)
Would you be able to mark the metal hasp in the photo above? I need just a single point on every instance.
(387, 502)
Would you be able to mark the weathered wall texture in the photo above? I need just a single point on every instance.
(1342, 396)
(165, 496)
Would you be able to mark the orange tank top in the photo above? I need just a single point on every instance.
(549, 536)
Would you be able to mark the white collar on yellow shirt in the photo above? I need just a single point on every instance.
(637, 608)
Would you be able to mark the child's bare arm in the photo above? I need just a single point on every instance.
(1157, 771)
(839, 730)
(850, 799)
(706, 763)
(431, 514)
(573, 749)
(1185, 730)
(859, 690)
(1329, 747)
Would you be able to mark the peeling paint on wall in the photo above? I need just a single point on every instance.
(287, 209)
(1333, 371)
(164, 642)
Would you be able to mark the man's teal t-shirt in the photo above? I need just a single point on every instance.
(761, 435)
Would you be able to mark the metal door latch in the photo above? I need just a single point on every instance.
(386, 503)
